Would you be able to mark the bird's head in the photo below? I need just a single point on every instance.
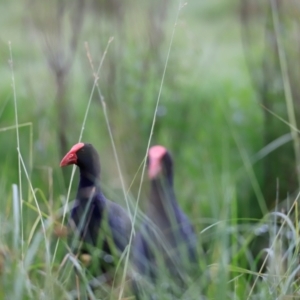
(85, 156)
(159, 163)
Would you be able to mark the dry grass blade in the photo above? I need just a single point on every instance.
(96, 78)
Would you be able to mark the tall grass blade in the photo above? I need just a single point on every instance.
(17, 217)
(18, 139)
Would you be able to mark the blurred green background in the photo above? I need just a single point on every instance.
(223, 66)
(228, 100)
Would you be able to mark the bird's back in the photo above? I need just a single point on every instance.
(119, 223)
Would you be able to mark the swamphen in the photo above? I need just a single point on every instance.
(101, 225)
(164, 251)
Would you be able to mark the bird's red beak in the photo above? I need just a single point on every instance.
(71, 157)
(154, 167)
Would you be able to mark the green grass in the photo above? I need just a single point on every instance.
(207, 115)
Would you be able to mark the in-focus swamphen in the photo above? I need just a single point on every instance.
(165, 249)
(102, 227)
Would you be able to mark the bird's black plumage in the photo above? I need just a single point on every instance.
(100, 225)
(167, 240)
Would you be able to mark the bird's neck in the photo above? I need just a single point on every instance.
(88, 182)
(162, 194)
(163, 207)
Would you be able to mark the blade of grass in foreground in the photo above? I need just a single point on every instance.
(17, 197)
(18, 144)
(17, 217)
(22, 125)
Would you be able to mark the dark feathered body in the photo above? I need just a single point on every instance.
(167, 232)
(101, 227)
(167, 240)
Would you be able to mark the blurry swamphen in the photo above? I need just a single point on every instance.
(100, 225)
(164, 250)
